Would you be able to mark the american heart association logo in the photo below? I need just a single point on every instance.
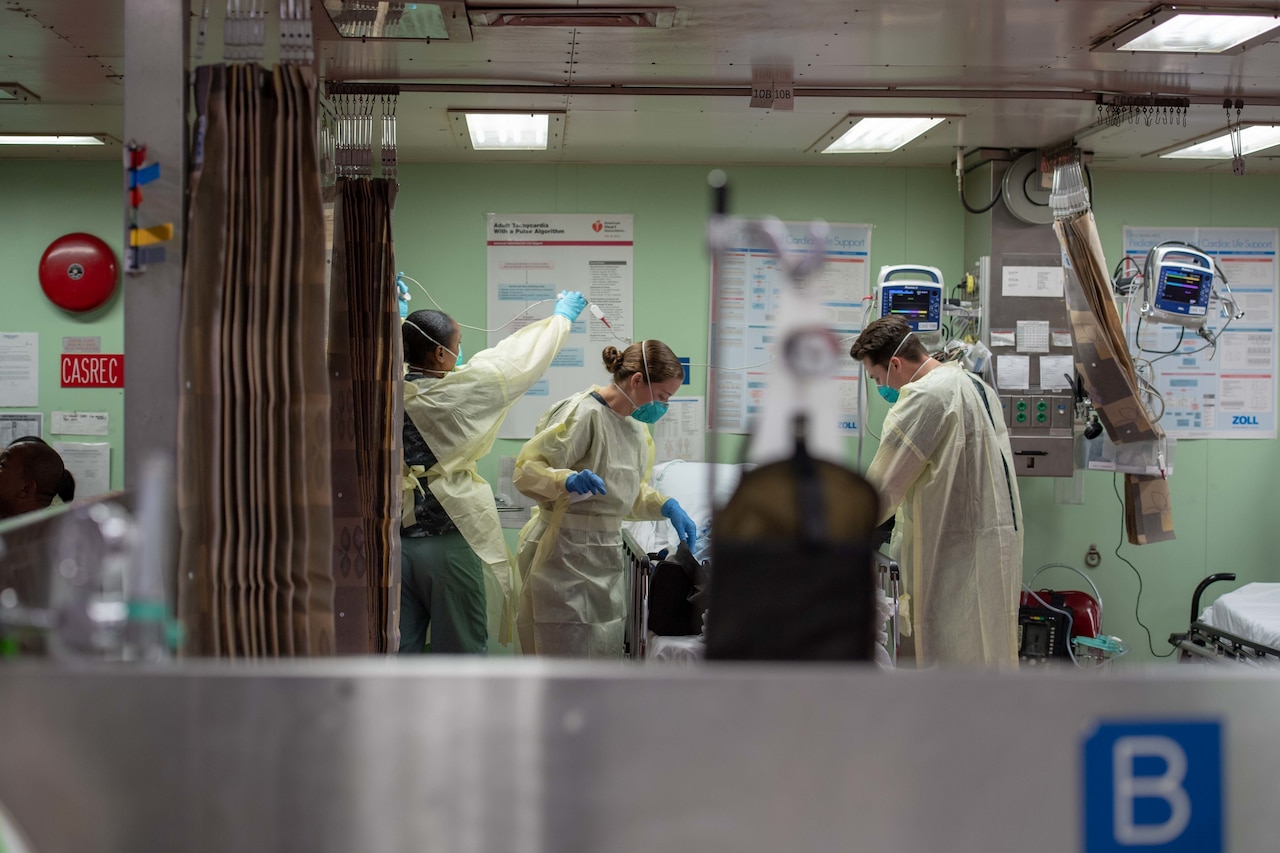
(597, 226)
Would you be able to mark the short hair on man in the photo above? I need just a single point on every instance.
(881, 338)
(41, 463)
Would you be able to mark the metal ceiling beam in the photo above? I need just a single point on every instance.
(644, 90)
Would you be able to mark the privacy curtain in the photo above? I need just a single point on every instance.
(254, 488)
(368, 410)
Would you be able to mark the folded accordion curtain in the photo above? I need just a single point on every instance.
(254, 493)
(365, 370)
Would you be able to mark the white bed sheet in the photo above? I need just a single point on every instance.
(1251, 612)
(690, 649)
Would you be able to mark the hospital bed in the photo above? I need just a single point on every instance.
(689, 483)
(1242, 626)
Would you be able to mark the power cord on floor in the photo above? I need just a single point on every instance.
(1137, 601)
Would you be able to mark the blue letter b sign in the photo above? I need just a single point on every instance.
(1153, 787)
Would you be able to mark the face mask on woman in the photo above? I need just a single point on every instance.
(652, 411)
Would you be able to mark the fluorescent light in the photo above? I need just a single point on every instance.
(499, 131)
(877, 135)
(16, 92)
(1192, 29)
(1191, 33)
(1252, 138)
(37, 139)
(514, 132)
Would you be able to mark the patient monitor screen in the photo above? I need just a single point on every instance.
(910, 305)
(1182, 286)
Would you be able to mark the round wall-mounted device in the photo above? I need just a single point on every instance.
(78, 272)
(1023, 195)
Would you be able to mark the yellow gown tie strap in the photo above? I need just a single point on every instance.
(409, 484)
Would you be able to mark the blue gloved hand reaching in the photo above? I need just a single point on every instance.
(585, 482)
(570, 304)
(680, 520)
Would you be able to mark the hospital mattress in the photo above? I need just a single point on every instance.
(1251, 612)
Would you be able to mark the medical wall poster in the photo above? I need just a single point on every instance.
(80, 423)
(19, 424)
(19, 369)
(682, 431)
(90, 464)
(532, 258)
(1228, 391)
(743, 310)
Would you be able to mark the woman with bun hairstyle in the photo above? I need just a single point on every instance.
(588, 466)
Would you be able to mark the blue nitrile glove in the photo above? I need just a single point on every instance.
(680, 520)
(584, 482)
(570, 304)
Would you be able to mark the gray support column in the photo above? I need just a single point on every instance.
(155, 115)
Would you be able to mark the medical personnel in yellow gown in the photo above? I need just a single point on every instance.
(588, 466)
(945, 468)
(450, 534)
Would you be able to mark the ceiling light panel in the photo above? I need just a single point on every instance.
(17, 93)
(508, 131)
(1253, 138)
(576, 17)
(1189, 29)
(873, 134)
(46, 139)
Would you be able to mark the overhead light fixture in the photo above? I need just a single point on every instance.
(659, 18)
(1256, 137)
(44, 139)
(1193, 29)
(16, 92)
(873, 134)
(484, 130)
(442, 20)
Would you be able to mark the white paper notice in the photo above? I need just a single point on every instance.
(513, 507)
(1032, 281)
(18, 424)
(1056, 372)
(1033, 336)
(1003, 338)
(1060, 339)
(90, 464)
(19, 369)
(682, 432)
(82, 344)
(80, 423)
(1013, 371)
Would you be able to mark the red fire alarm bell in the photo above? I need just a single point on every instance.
(78, 272)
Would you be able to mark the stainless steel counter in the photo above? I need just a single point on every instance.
(382, 755)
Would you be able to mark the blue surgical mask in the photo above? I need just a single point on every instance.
(891, 394)
(652, 411)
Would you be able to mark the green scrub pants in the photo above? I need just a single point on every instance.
(442, 586)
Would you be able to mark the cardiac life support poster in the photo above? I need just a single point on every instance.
(1230, 392)
(743, 309)
(533, 257)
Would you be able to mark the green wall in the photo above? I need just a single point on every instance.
(1224, 518)
(39, 202)
(1223, 513)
